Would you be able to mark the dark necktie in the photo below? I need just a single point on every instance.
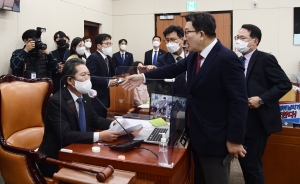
(107, 65)
(199, 57)
(178, 58)
(154, 58)
(123, 59)
(82, 123)
(243, 59)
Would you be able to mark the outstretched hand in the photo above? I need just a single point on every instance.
(133, 81)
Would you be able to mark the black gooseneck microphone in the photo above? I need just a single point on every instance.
(125, 146)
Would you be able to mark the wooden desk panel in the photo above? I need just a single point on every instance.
(141, 161)
(281, 158)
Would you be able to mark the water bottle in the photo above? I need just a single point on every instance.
(163, 151)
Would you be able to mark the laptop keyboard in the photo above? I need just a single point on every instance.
(155, 136)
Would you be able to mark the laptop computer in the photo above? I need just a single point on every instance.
(167, 107)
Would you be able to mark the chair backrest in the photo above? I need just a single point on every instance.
(22, 111)
(120, 100)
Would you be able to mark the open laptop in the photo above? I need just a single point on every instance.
(167, 107)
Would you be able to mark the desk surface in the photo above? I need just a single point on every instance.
(139, 160)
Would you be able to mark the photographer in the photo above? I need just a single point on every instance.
(33, 61)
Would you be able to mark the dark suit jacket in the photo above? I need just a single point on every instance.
(91, 53)
(217, 101)
(148, 56)
(62, 126)
(56, 77)
(266, 79)
(100, 77)
(117, 61)
(165, 59)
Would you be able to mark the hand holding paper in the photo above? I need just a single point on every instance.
(129, 127)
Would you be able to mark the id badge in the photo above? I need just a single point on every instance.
(33, 75)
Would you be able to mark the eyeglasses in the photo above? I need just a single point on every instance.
(242, 38)
(187, 32)
(171, 40)
(107, 44)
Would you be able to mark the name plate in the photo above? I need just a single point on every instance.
(290, 113)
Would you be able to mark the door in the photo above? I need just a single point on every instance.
(91, 29)
(223, 30)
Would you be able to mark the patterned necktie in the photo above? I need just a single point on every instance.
(199, 57)
(107, 65)
(243, 59)
(123, 59)
(155, 58)
(82, 123)
(178, 58)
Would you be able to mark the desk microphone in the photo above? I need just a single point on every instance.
(125, 146)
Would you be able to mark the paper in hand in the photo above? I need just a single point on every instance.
(129, 127)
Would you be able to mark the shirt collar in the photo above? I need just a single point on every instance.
(248, 56)
(75, 97)
(103, 55)
(181, 55)
(122, 53)
(207, 49)
(156, 50)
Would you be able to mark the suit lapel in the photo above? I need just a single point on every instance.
(71, 104)
(251, 63)
(103, 63)
(208, 61)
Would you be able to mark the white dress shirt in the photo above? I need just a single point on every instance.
(248, 57)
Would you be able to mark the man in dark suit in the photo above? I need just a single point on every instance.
(99, 64)
(217, 102)
(87, 44)
(61, 54)
(70, 116)
(266, 84)
(152, 55)
(122, 59)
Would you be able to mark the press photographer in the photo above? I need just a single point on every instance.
(34, 60)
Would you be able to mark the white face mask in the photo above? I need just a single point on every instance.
(88, 44)
(83, 87)
(107, 51)
(156, 43)
(80, 50)
(242, 46)
(173, 47)
(123, 47)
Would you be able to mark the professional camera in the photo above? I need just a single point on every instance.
(39, 45)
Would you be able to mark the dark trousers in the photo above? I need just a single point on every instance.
(255, 142)
(210, 169)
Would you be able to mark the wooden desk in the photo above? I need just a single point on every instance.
(141, 161)
(281, 157)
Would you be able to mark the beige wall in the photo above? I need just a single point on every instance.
(134, 21)
(54, 15)
(273, 17)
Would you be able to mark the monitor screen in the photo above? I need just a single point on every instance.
(10, 5)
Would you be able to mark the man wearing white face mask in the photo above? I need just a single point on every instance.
(70, 117)
(77, 49)
(99, 64)
(122, 59)
(266, 84)
(88, 44)
(152, 55)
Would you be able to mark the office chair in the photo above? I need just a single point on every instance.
(22, 111)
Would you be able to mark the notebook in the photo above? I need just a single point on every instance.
(168, 107)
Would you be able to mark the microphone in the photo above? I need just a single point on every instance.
(125, 146)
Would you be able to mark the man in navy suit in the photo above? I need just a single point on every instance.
(217, 103)
(99, 65)
(266, 84)
(122, 59)
(152, 55)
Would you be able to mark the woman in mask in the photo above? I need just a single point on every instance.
(77, 49)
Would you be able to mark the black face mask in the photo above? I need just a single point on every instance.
(61, 43)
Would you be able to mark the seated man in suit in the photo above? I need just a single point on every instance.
(152, 55)
(70, 116)
(61, 54)
(88, 44)
(99, 64)
(122, 58)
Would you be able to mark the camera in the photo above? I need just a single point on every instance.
(39, 45)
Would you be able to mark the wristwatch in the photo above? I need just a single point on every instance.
(260, 101)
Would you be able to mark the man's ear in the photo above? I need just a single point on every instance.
(70, 81)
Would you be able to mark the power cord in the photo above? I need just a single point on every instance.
(148, 150)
